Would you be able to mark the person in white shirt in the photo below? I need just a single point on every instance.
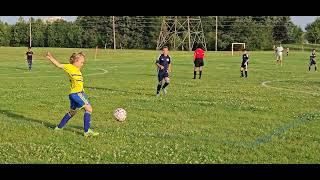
(279, 51)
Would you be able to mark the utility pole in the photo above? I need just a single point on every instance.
(216, 46)
(189, 34)
(114, 33)
(30, 32)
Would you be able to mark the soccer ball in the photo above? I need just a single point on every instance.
(120, 114)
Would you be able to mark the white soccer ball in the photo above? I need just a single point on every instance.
(120, 114)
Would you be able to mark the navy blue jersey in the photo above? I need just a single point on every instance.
(245, 58)
(313, 56)
(164, 61)
(29, 55)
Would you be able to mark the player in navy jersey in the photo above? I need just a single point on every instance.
(29, 54)
(313, 60)
(164, 67)
(244, 63)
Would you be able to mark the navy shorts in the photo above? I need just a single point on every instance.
(162, 75)
(243, 65)
(312, 62)
(198, 62)
(78, 100)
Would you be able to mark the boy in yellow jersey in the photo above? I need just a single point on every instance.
(78, 99)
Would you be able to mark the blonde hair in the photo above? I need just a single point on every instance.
(76, 56)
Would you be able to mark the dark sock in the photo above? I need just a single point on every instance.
(87, 121)
(165, 85)
(315, 68)
(246, 73)
(29, 64)
(158, 88)
(64, 120)
(241, 73)
(309, 68)
(200, 74)
(194, 74)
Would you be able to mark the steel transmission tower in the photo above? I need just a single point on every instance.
(181, 32)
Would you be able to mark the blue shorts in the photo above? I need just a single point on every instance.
(162, 75)
(78, 100)
(312, 62)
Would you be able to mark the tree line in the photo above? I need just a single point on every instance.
(141, 32)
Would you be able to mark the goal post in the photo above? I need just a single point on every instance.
(240, 46)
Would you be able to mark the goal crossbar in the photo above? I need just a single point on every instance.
(244, 46)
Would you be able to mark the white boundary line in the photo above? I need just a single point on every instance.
(93, 74)
(264, 84)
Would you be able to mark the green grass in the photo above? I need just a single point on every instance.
(221, 118)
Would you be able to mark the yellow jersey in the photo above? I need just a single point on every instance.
(75, 77)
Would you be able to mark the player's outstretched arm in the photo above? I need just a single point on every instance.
(54, 61)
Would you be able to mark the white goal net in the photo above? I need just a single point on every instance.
(237, 47)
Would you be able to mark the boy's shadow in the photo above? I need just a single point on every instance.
(123, 91)
(27, 119)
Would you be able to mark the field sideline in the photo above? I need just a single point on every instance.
(270, 117)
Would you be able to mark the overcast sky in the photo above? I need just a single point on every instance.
(301, 21)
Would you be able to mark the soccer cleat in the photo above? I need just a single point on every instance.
(58, 129)
(90, 133)
(164, 91)
(158, 95)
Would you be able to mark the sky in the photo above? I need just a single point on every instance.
(301, 21)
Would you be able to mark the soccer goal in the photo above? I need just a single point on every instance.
(237, 47)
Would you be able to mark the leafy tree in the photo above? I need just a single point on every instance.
(313, 31)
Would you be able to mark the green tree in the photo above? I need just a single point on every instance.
(97, 30)
(38, 33)
(295, 34)
(280, 29)
(313, 31)
(20, 33)
(5, 32)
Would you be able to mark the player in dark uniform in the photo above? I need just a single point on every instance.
(164, 67)
(198, 62)
(244, 63)
(313, 60)
(29, 54)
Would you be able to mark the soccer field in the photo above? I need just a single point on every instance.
(270, 117)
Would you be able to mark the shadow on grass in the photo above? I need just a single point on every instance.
(14, 68)
(49, 125)
(152, 75)
(122, 91)
(19, 68)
